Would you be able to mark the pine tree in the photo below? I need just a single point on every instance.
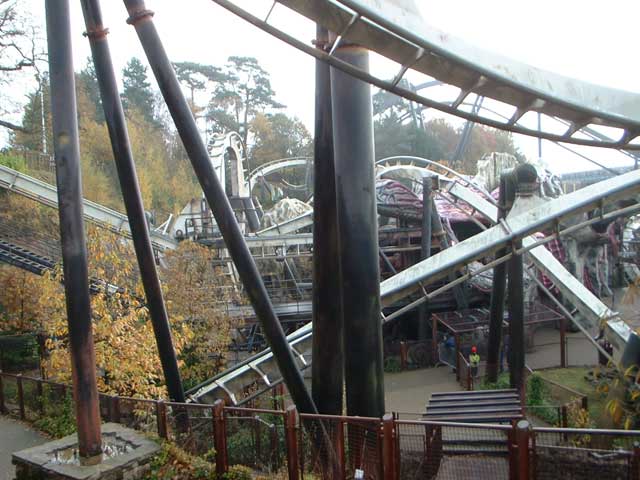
(137, 94)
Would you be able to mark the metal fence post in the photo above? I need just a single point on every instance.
(114, 409)
(40, 396)
(20, 396)
(390, 455)
(635, 461)
(220, 437)
(340, 453)
(403, 355)
(161, 416)
(291, 436)
(3, 408)
(523, 434)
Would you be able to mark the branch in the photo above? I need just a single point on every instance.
(12, 126)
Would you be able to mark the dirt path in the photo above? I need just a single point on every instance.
(14, 436)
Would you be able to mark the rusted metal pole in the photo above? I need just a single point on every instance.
(20, 396)
(358, 233)
(327, 350)
(141, 18)
(496, 315)
(523, 432)
(74, 249)
(117, 126)
(390, 455)
(563, 342)
(161, 418)
(3, 408)
(220, 438)
(291, 439)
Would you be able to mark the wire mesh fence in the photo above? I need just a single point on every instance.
(580, 454)
(340, 447)
(256, 438)
(277, 443)
(449, 451)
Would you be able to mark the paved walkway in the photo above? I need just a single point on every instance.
(408, 392)
(14, 436)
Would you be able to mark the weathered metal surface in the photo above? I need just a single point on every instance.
(117, 126)
(527, 223)
(46, 194)
(328, 348)
(141, 19)
(74, 249)
(498, 290)
(398, 32)
(588, 305)
(358, 236)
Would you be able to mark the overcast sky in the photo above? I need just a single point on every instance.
(585, 39)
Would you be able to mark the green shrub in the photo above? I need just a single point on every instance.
(392, 365)
(502, 383)
(238, 472)
(13, 161)
(59, 419)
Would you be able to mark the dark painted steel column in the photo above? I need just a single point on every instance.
(116, 123)
(328, 359)
(74, 249)
(358, 236)
(425, 250)
(516, 319)
(141, 19)
(438, 231)
(498, 290)
(525, 177)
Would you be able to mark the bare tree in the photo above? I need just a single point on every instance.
(20, 52)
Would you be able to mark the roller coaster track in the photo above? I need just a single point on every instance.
(47, 194)
(395, 29)
(261, 367)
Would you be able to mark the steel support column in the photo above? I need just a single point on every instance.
(358, 236)
(438, 231)
(525, 177)
(328, 359)
(74, 249)
(141, 19)
(498, 290)
(425, 250)
(117, 126)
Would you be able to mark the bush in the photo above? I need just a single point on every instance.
(172, 462)
(14, 162)
(392, 365)
(501, 384)
(59, 419)
(238, 472)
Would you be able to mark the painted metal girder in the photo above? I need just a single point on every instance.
(519, 227)
(396, 30)
(46, 194)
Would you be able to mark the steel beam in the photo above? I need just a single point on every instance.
(141, 18)
(358, 234)
(498, 289)
(47, 194)
(425, 247)
(74, 249)
(117, 126)
(327, 354)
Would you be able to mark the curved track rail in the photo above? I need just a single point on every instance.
(261, 368)
(395, 30)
